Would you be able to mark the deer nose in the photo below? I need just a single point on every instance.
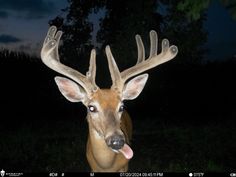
(115, 142)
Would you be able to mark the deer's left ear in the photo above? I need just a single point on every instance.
(134, 87)
(70, 90)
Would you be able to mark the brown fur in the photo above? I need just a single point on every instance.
(100, 157)
(103, 159)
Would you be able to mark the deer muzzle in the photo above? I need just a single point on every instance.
(115, 142)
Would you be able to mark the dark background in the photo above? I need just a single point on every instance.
(183, 120)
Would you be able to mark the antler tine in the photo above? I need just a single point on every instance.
(91, 74)
(154, 60)
(141, 50)
(50, 57)
(153, 43)
(117, 82)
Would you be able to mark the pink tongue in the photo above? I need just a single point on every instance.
(127, 151)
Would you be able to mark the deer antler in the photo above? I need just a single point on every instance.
(167, 53)
(50, 57)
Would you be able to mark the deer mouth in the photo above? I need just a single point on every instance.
(118, 145)
(125, 150)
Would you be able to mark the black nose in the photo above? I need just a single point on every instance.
(116, 142)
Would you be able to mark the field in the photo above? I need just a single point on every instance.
(45, 146)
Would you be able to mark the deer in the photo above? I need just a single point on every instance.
(110, 126)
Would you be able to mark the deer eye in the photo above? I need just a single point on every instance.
(121, 109)
(92, 108)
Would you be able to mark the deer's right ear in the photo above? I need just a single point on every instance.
(70, 90)
(134, 87)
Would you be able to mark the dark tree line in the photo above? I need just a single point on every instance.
(188, 93)
(6, 54)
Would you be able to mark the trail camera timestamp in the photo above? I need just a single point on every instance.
(144, 174)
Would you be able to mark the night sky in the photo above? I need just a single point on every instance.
(23, 25)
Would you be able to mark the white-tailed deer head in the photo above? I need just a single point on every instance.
(109, 127)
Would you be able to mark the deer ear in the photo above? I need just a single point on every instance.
(70, 90)
(134, 87)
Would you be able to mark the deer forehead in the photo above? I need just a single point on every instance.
(107, 98)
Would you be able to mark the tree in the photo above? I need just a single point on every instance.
(195, 8)
(77, 30)
(123, 19)
(188, 35)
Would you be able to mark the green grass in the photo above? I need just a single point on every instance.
(44, 146)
